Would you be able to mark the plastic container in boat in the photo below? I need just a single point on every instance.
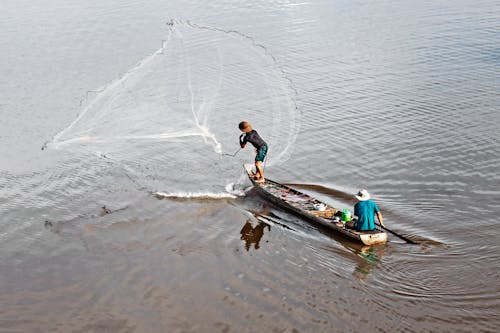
(346, 215)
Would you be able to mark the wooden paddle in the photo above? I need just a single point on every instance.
(399, 235)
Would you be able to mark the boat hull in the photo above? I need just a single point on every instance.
(302, 205)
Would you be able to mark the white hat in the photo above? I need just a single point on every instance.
(362, 195)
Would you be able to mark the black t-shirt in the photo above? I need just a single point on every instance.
(254, 138)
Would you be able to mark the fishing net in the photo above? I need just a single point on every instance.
(174, 116)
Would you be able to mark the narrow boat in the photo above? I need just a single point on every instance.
(312, 209)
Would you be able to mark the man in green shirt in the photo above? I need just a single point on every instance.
(366, 210)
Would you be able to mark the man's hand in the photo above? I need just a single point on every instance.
(242, 145)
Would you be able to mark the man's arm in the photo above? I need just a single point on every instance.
(380, 219)
(242, 140)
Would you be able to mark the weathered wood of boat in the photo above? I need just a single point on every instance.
(306, 206)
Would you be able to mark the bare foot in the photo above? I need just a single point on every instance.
(260, 180)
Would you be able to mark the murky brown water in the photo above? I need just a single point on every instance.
(401, 98)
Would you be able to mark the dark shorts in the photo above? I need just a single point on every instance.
(261, 154)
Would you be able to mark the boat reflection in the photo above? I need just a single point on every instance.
(260, 216)
(370, 257)
(367, 257)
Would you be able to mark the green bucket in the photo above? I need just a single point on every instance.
(346, 215)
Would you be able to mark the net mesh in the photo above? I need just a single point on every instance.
(175, 114)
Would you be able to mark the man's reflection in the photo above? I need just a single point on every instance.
(370, 255)
(252, 235)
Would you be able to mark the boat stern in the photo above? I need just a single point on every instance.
(376, 238)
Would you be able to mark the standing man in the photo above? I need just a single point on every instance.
(366, 210)
(251, 135)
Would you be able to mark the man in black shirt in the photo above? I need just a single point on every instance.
(251, 135)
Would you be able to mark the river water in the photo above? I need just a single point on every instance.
(131, 98)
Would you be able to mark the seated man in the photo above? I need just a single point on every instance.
(365, 210)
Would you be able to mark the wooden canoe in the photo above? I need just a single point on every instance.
(305, 206)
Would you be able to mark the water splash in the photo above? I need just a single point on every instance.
(191, 195)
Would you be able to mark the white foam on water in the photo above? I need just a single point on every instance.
(237, 189)
(194, 195)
